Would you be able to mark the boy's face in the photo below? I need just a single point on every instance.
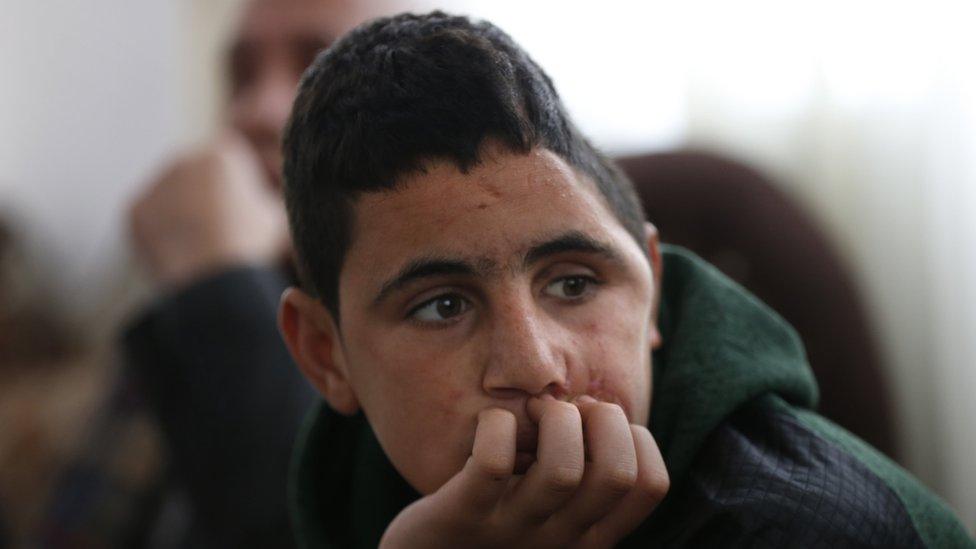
(462, 292)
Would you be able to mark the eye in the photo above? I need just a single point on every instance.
(441, 309)
(570, 287)
(243, 68)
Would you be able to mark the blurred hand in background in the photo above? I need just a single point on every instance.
(210, 210)
(217, 207)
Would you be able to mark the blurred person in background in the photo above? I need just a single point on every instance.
(206, 371)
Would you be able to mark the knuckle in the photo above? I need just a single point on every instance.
(563, 479)
(564, 409)
(561, 406)
(619, 480)
(653, 486)
(495, 465)
(610, 410)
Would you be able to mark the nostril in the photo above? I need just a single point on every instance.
(559, 392)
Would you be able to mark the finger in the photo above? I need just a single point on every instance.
(649, 490)
(239, 158)
(484, 478)
(556, 474)
(611, 469)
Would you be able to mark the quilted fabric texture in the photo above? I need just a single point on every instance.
(763, 479)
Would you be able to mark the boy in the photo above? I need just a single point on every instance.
(482, 286)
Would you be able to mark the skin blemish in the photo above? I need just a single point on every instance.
(595, 387)
(482, 206)
(454, 396)
(489, 187)
(448, 408)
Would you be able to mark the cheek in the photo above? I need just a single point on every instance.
(406, 384)
(417, 403)
(616, 361)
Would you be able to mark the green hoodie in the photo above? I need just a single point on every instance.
(750, 462)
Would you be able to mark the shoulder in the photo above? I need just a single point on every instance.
(222, 303)
(770, 476)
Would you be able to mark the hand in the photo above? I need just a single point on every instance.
(595, 479)
(209, 211)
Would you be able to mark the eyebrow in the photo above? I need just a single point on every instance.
(572, 241)
(427, 267)
(424, 268)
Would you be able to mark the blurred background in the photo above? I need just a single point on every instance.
(861, 113)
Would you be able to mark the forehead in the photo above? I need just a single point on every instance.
(496, 210)
(265, 22)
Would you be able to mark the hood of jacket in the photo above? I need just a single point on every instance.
(722, 348)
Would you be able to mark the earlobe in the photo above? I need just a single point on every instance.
(653, 244)
(312, 339)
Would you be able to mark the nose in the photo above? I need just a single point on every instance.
(525, 356)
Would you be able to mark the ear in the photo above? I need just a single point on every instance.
(313, 341)
(657, 269)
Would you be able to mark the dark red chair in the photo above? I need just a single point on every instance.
(732, 216)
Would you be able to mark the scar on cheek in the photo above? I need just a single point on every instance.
(454, 396)
(597, 389)
(596, 381)
(448, 409)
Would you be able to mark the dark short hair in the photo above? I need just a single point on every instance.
(401, 91)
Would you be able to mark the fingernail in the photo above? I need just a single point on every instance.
(585, 399)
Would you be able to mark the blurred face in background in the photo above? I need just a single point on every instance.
(276, 40)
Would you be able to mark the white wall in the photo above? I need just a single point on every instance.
(613, 62)
(90, 98)
(94, 97)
